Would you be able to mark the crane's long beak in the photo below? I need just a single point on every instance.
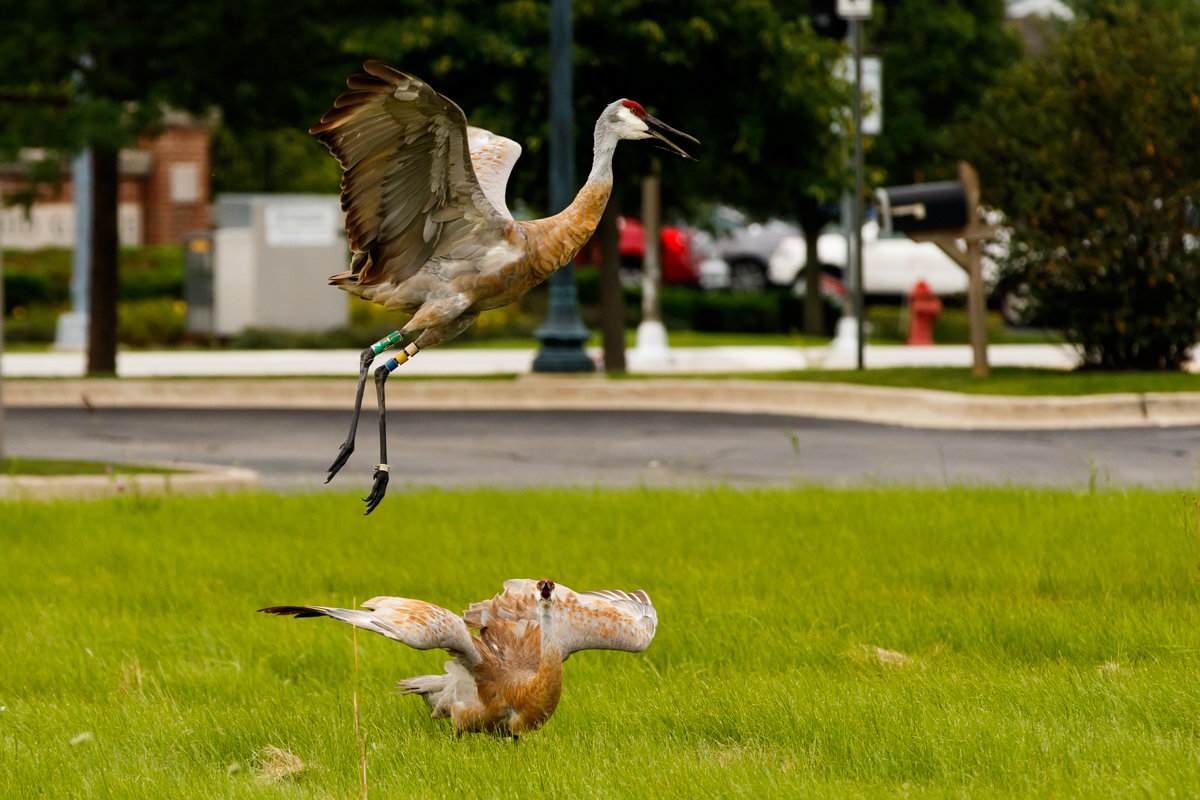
(657, 128)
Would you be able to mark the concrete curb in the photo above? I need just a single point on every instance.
(193, 479)
(919, 408)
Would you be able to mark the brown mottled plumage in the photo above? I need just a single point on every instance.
(508, 678)
(431, 233)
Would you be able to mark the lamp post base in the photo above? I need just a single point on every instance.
(558, 354)
(71, 332)
(651, 350)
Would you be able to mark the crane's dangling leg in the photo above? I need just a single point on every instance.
(364, 366)
(456, 322)
(382, 470)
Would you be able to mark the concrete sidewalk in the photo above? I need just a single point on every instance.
(918, 408)
(225, 379)
(463, 361)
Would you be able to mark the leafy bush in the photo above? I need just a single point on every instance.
(33, 277)
(1090, 151)
(146, 323)
(152, 272)
(36, 325)
(690, 309)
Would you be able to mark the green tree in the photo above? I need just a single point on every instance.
(939, 58)
(109, 74)
(1090, 151)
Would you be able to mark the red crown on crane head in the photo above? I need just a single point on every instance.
(636, 108)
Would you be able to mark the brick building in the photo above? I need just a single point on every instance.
(165, 192)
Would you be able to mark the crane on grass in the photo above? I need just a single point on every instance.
(432, 237)
(507, 679)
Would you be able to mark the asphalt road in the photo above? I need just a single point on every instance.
(291, 449)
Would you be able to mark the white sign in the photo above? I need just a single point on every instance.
(301, 224)
(185, 183)
(854, 9)
(53, 225)
(872, 90)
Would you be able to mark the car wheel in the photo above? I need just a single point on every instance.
(747, 276)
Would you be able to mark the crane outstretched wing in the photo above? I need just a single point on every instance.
(604, 620)
(420, 625)
(493, 158)
(409, 191)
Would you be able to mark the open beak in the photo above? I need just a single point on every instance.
(657, 128)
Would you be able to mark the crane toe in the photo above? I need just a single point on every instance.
(339, 462)
(378, 489)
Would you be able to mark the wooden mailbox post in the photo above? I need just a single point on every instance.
(946, 214)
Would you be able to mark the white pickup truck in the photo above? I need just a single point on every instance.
(892, 265)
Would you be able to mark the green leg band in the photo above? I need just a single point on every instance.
(386, 342)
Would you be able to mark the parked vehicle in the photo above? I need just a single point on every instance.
(892, 264)
(680, 260)
(746, 247)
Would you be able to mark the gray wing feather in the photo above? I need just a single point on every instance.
(420, 625)
(409, 191)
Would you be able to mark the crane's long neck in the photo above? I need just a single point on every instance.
(559, 238)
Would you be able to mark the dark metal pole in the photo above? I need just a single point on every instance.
(856, 215)
(562, 334)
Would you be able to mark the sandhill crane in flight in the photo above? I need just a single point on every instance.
(431, 234)
(508, 678)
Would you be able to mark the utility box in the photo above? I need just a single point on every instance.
(923, 207)
(273, 255)
(198, 282)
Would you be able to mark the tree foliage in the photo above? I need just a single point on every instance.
(1090, 151)
(82, 73)
(747, 77)
(939, 58)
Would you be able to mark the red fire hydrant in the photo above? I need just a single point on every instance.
(923, 308)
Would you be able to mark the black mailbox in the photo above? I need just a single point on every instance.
(923, 207)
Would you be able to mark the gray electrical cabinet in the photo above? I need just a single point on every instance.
(272, 257)
(198, 283)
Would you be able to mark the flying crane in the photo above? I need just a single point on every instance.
(432, 236)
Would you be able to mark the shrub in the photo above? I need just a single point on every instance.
(776, 311)
(33, 277)
(36, 325)
(152, 272)
(1090, 151)
(145, 323)
(36, 276)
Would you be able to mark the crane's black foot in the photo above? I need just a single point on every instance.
(339, 462)
(378, 490)
(364, 365)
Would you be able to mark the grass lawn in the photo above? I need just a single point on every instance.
(48, 466)
(1032, 643)
(1002, 380)
(674, 339)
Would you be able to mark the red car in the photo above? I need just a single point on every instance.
(680, 265)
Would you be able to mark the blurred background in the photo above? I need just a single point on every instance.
(156, 170)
